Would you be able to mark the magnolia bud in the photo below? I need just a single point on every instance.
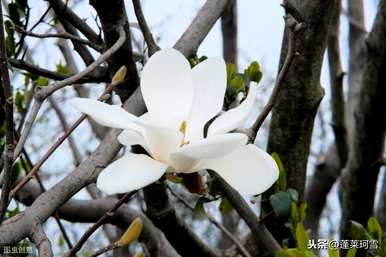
(119, 76)
(132, 233)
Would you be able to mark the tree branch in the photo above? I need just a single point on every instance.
(42, 242)
(200, 26)
(43, 93)
(267, 245)
(151, 44)
(124, 199)
(8, 108)
(360, 175)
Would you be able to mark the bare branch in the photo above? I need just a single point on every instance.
(43, 93)
(267, 245)
(55, 146)
(293, 27)
(229, 32)
(42, 242)
(98, 75)
(200, 26)
(8, 107)
(151, 44)
(97, 224)
(216, 223)
(64, 35)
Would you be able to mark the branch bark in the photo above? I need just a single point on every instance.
(360, 175)
(8, 109)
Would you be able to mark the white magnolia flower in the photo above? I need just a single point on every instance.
(180, 101)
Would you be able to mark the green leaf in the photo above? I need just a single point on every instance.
(352, 252)
(225, 205)
(62, 69)
(358, 232)
(374, 228)
(294, 213)
(19, 99)
(294, 194)
(42, 81)
(231, 69)
(281, 204)
(332, 252)
(382, 247)
(14, 14)
(16, 171)
(302, 212)
(301, 237)
(253, 72)
(237, 84)
(199, 210)
(282, 181)
(10, 39)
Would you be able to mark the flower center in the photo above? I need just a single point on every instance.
(183, 128)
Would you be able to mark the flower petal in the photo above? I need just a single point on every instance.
(130, 137)
(131, 172)
(167, 86)
(248, 169)
(210, 81)
(185, 158)
(235, 117)
(105, 114)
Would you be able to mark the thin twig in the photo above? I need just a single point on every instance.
(43, 93)
(151, 44)
(220, 226)
(126, 197)
(60, 140)
(64, 35)
(62, 120)
(293, 27)
(9, 138)
(25, 159)
(105, 249)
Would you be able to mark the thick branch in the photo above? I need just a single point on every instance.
(42, 242)
(229, 32)
(360, 175)
(200, 26)
(8, 109)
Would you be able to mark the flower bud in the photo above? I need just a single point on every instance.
(140, 254)
(132, 233)
(119, 76)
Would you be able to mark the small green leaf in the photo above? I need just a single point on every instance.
(19, 99)
(237, 84)
(253, 72)
(42, 81)
(14, 13)
(62, 69)
(225, 205)
(302, 212)
(358, 232)
(281, 204)
(374, 228)
(231, 69)
(332, 252)
(294, 194)
(294, 213)
(301, 237)
(199, 210)
(282, 181)
(352, 252)
(10, 39)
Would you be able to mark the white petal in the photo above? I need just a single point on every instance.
(130, 137)
(167, 85)
(186, 157)
(131, 172)
(105, 114)
(248, 169)
(161, 141)
(235, 117)
(210, 80)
